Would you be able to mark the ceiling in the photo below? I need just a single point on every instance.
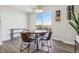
(25, 8)
(30, 8)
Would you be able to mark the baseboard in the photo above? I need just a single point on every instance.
(67, 42)
(5, 39)
(1, 43)
(59, 39)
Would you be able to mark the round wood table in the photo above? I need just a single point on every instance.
(37, 33)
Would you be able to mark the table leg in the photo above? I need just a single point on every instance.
(37, 47)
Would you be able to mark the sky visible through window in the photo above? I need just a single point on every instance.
(44, 17)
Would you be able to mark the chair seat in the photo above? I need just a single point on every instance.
(44, 38)
(32, 38)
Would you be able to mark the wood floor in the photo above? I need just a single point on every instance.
(10, 46)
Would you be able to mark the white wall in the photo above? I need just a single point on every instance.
(32, 21)
(0, 31)
(11, 18)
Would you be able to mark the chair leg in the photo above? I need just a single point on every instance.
(75, 46)
(20, 47)
(48, 45)
(41, 44)
(28, 47)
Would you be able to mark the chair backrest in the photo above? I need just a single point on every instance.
(49, 35)
(25, 37)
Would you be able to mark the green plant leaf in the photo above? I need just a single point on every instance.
(74, 26)
(75, 19)
(78, 18)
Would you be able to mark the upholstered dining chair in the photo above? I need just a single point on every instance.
(46, 39)
(26, 38)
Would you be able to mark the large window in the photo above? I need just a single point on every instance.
(44, 20)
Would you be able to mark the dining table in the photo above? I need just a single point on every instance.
(37, 33)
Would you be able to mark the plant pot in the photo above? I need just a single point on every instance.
(77, 38)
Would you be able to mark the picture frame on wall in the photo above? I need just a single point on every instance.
(70, 9)
(57, 15)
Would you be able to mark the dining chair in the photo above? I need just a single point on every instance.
(26, 38)
(46, 39)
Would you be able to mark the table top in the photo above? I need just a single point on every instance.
(37, 32)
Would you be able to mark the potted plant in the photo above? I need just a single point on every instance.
(75, 23)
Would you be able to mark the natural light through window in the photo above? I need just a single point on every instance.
(43, 20)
